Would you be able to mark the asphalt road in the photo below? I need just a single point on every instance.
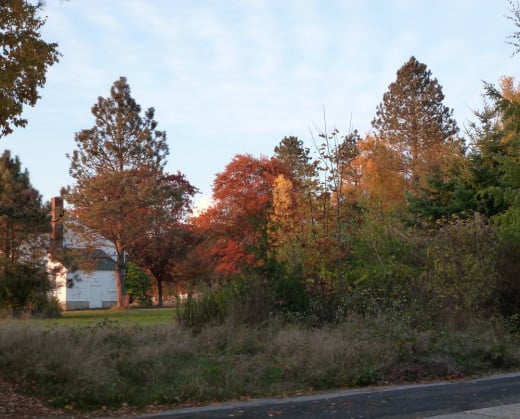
(414, 401)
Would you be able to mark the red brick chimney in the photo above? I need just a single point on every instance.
(57, 213)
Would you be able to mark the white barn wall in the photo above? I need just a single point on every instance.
(77, 289)
(90, 290)
(82, 290)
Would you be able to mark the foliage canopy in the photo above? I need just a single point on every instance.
(24, 61)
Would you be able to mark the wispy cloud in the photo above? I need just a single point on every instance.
(236, 76)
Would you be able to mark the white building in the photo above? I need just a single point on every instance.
(79, 289)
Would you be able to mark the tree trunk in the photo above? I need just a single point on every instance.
(121, 297)
(159, 293)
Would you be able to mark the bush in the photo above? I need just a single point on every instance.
(246, 300)
(46, 307)
(138, 285)
(25, 290)
(388, 258)
(290, 293)
(508, 261)
(460, 273)
(206, 304)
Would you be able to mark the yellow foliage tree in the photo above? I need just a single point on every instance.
(382, 185)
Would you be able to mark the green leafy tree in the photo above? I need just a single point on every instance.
(139, 285)
(413, 121)
(314, 212)
(24, 60)
(485, 162)
(119, 178)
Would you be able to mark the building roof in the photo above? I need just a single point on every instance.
(75, 259)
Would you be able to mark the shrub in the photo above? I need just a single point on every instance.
(460, 271)
(138, 285)
(508, 260)
(247, 300)
(206, 304)
(389, 257)
(25, 289)
(290, 293)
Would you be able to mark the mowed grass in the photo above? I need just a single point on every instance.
(88, 318)
(129, 317)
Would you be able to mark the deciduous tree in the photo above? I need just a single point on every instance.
(24, 60)
(118, 172)
(294, 222)
(381, 185)
(238, 221)
(167, 238)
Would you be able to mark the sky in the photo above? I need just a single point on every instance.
(230, 77)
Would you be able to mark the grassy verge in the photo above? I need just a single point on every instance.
(115, 362)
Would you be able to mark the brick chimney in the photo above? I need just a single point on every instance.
(57, 213)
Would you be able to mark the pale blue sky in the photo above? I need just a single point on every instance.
(236, 76)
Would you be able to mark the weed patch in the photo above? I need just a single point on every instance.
(111, 363)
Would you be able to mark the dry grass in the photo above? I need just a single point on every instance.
(109, 364)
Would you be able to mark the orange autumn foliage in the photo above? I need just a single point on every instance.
(382, 185)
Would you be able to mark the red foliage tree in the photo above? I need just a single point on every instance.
(237, 223)
(165, 241)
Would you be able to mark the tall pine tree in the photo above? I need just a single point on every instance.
(415, 124)
(118, 172)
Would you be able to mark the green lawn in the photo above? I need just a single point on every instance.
(129, 317)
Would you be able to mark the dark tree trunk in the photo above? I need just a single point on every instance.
(121, 297)
(159, 293)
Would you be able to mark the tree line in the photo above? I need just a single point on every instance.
(413, 217)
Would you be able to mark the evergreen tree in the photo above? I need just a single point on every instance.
(22, 216)
(485, 182)
(413, 122)
(118, 172)
(24, 61)
(507, 159)
(292, 152)
(24, 280)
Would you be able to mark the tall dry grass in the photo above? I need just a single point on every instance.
(110, 364)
